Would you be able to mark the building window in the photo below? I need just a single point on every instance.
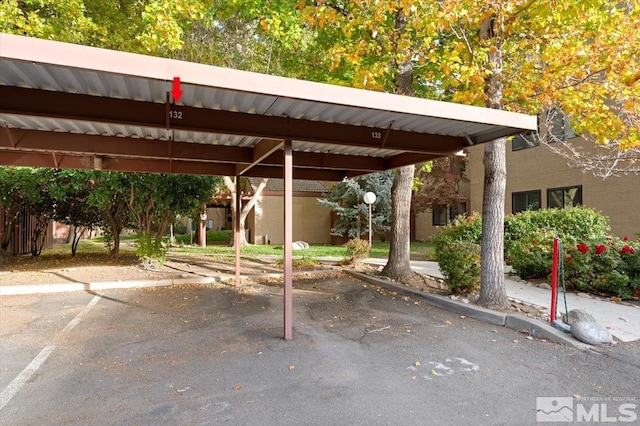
(526, 141)
(457, 210)
(443, 213)
(440, 215)
(527, 200)
(558, 126)
(564, 198)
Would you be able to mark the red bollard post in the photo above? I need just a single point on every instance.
(554, 279)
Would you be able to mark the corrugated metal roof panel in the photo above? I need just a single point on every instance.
(98, 73)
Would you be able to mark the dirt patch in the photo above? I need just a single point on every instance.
(24, 270)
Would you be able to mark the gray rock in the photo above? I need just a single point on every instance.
(545, 286)
(588, 296)
(591, 333)
(577, 315)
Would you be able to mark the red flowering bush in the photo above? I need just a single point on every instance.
(593, 261)
(627, 250)
(600, 248)
(583, 248)
(612, 266)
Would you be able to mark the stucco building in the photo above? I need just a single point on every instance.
(538, 178)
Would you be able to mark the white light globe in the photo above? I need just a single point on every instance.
(369, 198)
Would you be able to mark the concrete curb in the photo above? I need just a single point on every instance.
(516, 322)
(18, 290)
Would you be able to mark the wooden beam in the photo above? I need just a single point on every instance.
(36, 140)
(401, 160)
(261, 150)
(43, 103)
(116, 146)
(76, 161)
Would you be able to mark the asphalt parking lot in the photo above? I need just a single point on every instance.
(214, 355)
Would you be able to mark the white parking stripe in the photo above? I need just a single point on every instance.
(76, 320)
(17, 383)
(25, 375)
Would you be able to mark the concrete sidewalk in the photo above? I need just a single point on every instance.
(622, 320)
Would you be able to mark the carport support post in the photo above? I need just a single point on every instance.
(202, 227)
(288, 240)
(236, 229)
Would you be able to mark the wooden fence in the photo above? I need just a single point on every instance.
(21, 238)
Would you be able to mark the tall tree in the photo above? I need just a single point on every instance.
(142, 26)
(373, 45)
(16, 186)
(518, 55)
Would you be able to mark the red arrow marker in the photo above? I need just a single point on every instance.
(176, 92)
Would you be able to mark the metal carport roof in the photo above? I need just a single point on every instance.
(71, 106)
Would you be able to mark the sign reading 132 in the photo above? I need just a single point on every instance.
(175, 114)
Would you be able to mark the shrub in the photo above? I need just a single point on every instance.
(529, 237)
(462, 228)
(571, 225)
(609, 265)
(459, 262)
(357, 250)
(149, 250)
(457, 249)
(532, 256)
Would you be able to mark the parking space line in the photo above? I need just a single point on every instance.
(22, 378)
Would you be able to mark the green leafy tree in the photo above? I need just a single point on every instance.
(71, 189)
(16, 185)
(156, 199)
(111, 193)
(41, 204)
(142, 26)
(26, 191)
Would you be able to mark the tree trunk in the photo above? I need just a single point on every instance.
(492, 290)
(231, 186)
(39, 235)
(114, 230)
(493, 293)
(75, 240)
(6, 237)
(9, 228)
(399, 265)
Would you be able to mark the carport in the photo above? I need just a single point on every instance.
(70, 106)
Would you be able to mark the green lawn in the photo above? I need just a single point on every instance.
(94, 252)
(419, 251)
